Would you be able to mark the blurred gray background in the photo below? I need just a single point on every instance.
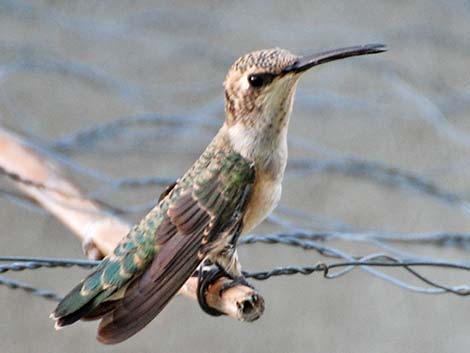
(70, 65)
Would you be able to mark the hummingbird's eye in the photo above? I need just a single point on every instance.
(259, 80)
(255, 81)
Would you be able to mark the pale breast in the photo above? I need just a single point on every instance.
(267, 148)
(265, 196)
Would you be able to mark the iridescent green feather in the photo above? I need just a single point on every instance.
(129, 259)
(218, 176)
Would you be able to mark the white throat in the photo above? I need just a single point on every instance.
(267, 149)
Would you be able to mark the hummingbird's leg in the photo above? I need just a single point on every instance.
(208, 273)
(232, 267)
(227, 257)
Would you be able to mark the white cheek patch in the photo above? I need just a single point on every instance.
(244, 84)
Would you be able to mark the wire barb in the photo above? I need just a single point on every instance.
(16, 263)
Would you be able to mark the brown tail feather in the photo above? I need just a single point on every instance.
(148, 295)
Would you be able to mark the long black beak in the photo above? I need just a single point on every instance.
(306, 62)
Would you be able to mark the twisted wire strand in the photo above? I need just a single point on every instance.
(21, 263)
(355, 167)
(43, 293)
(372, 260)
(40, 186)
(347, 165)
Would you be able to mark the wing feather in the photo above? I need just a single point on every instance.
(146, 270)
(206, 206)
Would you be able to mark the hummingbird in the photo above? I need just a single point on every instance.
(229, 190)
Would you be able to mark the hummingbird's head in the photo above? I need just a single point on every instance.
(262, 83)
(260, 87)
(255, 86)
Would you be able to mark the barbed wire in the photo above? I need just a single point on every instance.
(43, 293)
(22, 263)
(302, 238)
(350, 166)
(459, 240)
(347, 164)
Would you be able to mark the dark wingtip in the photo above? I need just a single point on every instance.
(62, 320)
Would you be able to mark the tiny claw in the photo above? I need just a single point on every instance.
(239, 280)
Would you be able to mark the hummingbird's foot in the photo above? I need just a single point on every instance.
(208, 273)
(236, 280)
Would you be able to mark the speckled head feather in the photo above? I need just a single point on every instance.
(242, 100)
(271, 60)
